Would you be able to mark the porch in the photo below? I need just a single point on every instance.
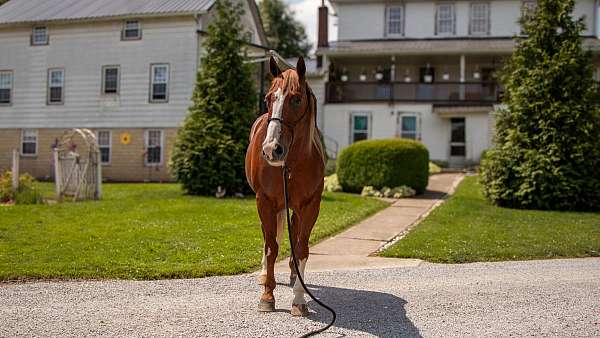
(450, 79)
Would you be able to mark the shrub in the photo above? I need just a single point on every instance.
(434, 168)
(332, 184)
(547, 145)
(384, 163)
(397, 192)
(28, 192)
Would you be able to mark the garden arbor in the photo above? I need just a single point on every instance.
(78, 173)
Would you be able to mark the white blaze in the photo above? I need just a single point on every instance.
(274, 129)
(298, 289)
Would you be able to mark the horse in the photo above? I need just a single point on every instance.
(287, 135)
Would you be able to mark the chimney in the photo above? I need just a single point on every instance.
(323, 34)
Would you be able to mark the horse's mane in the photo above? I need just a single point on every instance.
(289, 82)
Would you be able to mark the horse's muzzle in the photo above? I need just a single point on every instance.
(274, 153)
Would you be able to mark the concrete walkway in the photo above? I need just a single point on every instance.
(353, 248)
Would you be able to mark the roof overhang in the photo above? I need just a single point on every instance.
(432, 46)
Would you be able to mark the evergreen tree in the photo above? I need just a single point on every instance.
(210, 146)
(284, 33)
(547, 145)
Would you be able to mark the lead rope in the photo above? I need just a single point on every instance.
(298, 275)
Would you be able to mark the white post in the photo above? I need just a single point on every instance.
(15, 170)
(99, 176)
(57, 175)
(463, 64)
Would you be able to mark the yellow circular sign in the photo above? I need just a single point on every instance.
(125, 138)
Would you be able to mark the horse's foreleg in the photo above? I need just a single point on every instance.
(262, 277)
(268, 217)
(303, 224)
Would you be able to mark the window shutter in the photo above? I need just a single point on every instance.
(350, 129)
(453, 20)
(370, 129)
(437, 9)
(385, 22)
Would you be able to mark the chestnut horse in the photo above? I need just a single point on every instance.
(286, 135)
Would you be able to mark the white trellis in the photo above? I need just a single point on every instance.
(78, 172)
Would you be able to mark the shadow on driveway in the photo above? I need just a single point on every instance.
(377, 313)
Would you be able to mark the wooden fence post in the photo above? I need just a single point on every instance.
(15, 170)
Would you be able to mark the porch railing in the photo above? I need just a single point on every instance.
(437, 92)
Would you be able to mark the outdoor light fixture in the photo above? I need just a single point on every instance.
(446, 75)
(344, 76)
(379, 74)
(363, 75)
(407, 78)
(476, 74)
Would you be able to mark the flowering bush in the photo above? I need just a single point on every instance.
(27, 193)
(397, 192)
(332, 184)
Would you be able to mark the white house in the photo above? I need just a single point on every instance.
(124, 68)
(421, 69)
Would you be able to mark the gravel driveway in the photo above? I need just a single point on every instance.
(540, 298)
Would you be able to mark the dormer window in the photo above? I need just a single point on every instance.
(39, 36)
(131, 30)
(395, 21)
(445, 23)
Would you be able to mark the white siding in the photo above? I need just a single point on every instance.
(82, 50)
(367, 20)
(434, 129)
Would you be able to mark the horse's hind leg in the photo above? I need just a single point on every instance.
(268, 217)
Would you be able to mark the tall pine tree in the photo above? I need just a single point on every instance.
(210, 146)
(285, 34)
(547, 146)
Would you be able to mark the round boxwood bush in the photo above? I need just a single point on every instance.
(384, 163)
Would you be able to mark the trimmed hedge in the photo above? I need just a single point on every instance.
(384, 163)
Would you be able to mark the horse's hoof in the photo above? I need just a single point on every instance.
(265, 306)
(262, 279)
(299, 310)
(292, 280)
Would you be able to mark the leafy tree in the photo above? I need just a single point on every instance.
(547, 144)
(284, 33)
(210, 146)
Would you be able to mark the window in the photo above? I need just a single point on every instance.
(360, 126)
(445, 20)
(39, 36)
(104, 143)
(154, 146)
(457, 138)
(480, 19)
(131, 31)
(6, 80)
(409, 127)
(395, 18)
(159, 86)
(56, 84)
(110, 80)
(29, 142)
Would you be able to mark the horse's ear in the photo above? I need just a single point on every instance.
(301, 67)
(275, 71)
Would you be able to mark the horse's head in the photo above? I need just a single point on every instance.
(288, 103)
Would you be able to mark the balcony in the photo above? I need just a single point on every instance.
(437, 92)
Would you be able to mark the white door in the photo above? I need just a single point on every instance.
(458, 140)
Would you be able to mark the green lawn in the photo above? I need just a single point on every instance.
(148, 231)
(468, 229)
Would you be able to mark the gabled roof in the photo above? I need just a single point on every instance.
(30, 11)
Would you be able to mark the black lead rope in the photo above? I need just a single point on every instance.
(298, 275)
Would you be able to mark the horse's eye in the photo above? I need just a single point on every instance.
(296, 100)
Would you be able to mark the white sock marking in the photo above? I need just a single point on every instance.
(298, 289)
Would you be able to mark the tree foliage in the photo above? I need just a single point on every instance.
(209, 149)
(284, 33)
(547, 144)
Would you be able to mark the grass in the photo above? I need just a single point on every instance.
(467, 228)
(148, 231)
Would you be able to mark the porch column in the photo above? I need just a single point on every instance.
(463, 62)
(393, 69)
